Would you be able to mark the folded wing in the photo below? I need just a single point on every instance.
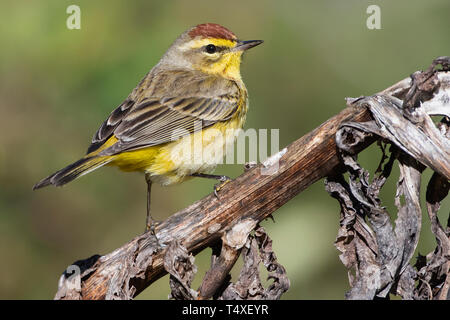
(167, 110)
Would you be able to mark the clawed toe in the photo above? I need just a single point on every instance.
(150, 227)
(223, 181)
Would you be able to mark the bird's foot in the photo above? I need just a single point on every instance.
(222, 182)
(150, 227)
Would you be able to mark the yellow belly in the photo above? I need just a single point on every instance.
(173, 162)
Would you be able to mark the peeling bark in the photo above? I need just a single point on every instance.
(375, 250)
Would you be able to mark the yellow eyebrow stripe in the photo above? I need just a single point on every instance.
(198, 43)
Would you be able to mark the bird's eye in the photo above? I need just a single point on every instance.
(210, 48)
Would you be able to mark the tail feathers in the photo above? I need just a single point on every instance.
(73, 171)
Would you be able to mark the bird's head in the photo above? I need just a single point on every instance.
(209, 48)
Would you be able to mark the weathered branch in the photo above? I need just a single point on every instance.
(257, 249)
(251, 197)
(222, 262)
(376, 250)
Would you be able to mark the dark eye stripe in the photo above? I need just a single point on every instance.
(208, 48)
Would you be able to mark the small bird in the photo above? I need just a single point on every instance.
(194, 92)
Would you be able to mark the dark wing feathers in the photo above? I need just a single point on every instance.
(109, 125)
(167, 109)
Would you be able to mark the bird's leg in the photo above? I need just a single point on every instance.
(223, 180)
(150, 223)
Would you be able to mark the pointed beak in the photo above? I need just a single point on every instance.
(245, 45)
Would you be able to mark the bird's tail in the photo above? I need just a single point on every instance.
(73, 171)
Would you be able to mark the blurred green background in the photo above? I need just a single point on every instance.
(58, 85)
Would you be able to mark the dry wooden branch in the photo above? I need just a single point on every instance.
(376, 253)
(222, 262)
(251, 197)
(258, 248)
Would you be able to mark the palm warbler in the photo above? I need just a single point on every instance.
(197, 81)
